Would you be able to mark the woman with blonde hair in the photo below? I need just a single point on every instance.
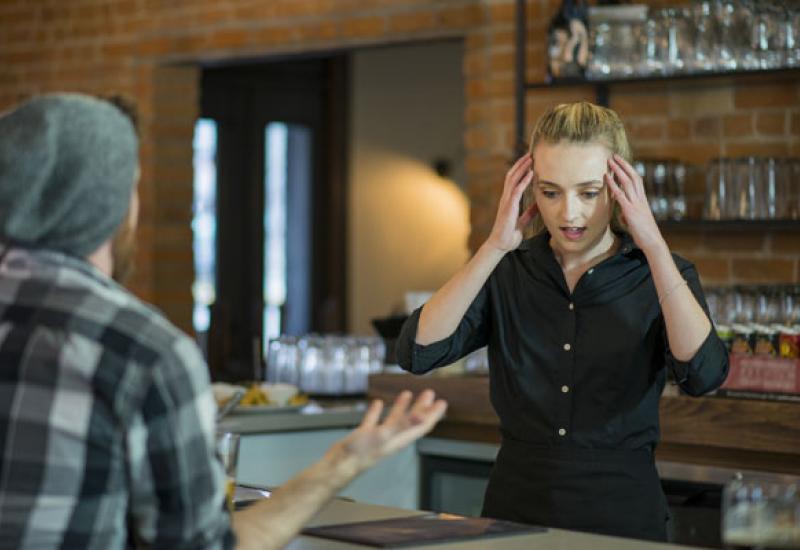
(582, 322)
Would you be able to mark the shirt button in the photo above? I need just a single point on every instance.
(562, 432)
(564, 389)
(567, 347)
(571, 307)
(590, 271)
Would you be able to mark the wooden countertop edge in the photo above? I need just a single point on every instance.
(713, 424)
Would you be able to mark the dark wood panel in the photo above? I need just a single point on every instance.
(755, 435)
(731, 423)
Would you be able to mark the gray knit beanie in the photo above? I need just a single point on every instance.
(67, 169)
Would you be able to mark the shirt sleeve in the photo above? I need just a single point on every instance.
(707, 370)
(471, 333)
(177, 482)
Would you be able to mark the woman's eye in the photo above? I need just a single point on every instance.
(590, 194)
(549, 194)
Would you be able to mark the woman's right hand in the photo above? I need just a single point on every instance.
(509, 225)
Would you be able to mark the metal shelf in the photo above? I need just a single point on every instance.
(730, 225)
(602, 85)
(677, 77)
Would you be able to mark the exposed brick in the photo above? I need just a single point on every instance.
(756, 270)
(766, 95)
(363, 27)
(326, 30)
(734, 242)
(629, 104)
(693, 153)
(771, 123)
(786, 243)
(713, 270)
(502, 62)
(503, 12)
(96, 47)
(678, 129)
(476, 138)
(647, 130)
(475, 65)
(462, 16)
(738, 125)
(412, 22)
(271, 36)
(777, 148)
(707, 128)
(230, 38)
(682, 242)
(701, 101)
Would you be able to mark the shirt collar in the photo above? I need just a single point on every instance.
(539, 245)
(57, 257)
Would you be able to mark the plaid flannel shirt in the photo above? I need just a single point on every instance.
(106, 416)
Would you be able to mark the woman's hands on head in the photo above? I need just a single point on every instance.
(405, 423)
(627, 188)
(509, 224)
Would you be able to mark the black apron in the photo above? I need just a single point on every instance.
(610, 492)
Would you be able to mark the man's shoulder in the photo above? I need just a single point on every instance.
(84, 301)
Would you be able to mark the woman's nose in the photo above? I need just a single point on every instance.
(571, 209)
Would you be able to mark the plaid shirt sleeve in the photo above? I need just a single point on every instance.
(177, 483)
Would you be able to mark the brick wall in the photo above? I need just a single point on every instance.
(149, 50)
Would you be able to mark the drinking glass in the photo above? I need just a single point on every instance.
(228, 450)
(792, 32)
(718, 187)
(600, 60)
(761, 513)
(653, 44)
(705, 36)
(727, 47)
(676, 191)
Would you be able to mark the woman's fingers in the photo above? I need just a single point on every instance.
(631, 172)
(623, 181)
(616, 191)
(527, 216)
(516, 173)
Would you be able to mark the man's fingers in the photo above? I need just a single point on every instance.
(421, 405)
(415, 430)
(373, 414)
(399, 408)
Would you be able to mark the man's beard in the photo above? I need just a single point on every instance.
(123, 249)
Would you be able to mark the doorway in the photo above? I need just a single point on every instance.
(277, 242)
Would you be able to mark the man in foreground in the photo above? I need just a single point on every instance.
(106, 415)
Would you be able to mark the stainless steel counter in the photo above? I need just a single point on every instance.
(339, 511)
(313, 417)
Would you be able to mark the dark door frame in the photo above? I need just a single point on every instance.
(242, 99)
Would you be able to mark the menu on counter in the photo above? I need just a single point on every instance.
(416, 530)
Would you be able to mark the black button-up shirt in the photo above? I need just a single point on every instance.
(582, 369)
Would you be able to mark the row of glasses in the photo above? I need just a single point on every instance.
(773, 305)
(762, 320)
(665, 184)
(710, 35)
(753, 188)
(761, 512)
(325, 364)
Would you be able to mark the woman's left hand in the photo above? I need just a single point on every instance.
(627, 188)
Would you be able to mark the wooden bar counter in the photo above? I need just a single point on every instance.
(709, 431)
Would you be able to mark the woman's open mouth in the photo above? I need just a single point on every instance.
(573, 233)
